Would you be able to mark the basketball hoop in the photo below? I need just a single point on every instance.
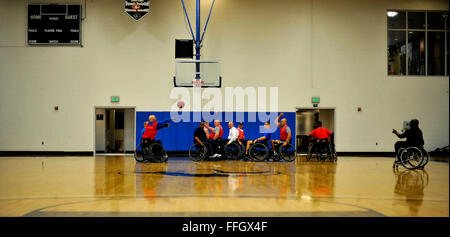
(197, 83)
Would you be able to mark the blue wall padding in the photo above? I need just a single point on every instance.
(179, 136)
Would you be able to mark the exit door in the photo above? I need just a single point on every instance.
(114, 130)
(305, 119)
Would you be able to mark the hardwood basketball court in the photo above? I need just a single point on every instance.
(115, 186)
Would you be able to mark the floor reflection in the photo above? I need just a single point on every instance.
(277, 180)
(411, 185)
(108, 183)
(149, 183)
(315, 180)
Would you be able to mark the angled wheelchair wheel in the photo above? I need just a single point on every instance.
(397, 158)
(139, 155)
(426, 158)
(209, 150)
(334, 156)
(275, 156)
(242, 148)
(157, 153)
(311, 154)
(411, 158)
(232, 151)
(287, 152)
(197, 152)
(259, 152)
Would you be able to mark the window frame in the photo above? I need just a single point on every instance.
(426, 30)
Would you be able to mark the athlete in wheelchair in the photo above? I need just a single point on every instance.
(232, 146)
(410, 153)
(322, 144)
(215, 140)
(260, 149)
(241, 140)
(283, 149)
(151, 149)
(202, 149)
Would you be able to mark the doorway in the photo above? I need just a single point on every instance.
(305, 119)
(114, 130)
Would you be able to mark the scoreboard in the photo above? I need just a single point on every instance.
(54, 24)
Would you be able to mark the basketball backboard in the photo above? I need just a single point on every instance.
(190, 72)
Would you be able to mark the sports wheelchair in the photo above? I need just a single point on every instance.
(260, 151)
(234, 151)
(322, 150)
(411, 158)
(198, 152)
(154, 152)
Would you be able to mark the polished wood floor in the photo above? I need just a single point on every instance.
(117, 186)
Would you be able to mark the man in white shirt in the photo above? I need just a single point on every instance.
(233, 134)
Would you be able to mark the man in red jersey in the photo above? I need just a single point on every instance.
(285, 133)
(320, 132)
(151, 129)
(215, 137)
(241, 138)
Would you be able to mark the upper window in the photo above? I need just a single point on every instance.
(417, 43)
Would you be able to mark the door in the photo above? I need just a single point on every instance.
(114, 130)
(305, 119)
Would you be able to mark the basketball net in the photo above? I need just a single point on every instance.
(197, 83)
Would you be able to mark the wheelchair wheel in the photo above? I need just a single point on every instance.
(232, 151)
(287, 152)
(197, 152)
(275, 156)
(139, 155)
(157, 153)
(209, 151)
(259, 152)
(309, 155)
(334, 156)
(411, 158)
(242, 147)
(426, 158)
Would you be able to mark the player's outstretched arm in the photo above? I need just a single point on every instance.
(209, 127)
(278, 119)
(399, 135)
(163, 123)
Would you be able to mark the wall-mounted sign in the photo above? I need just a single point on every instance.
(315, 100)
(115, 99)
(137, 9)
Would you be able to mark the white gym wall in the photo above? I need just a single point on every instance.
(334, 49)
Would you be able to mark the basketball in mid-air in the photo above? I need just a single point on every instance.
(180, 104)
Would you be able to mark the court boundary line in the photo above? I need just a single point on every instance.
(31, 213)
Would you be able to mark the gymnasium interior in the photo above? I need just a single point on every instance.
(79, 78)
